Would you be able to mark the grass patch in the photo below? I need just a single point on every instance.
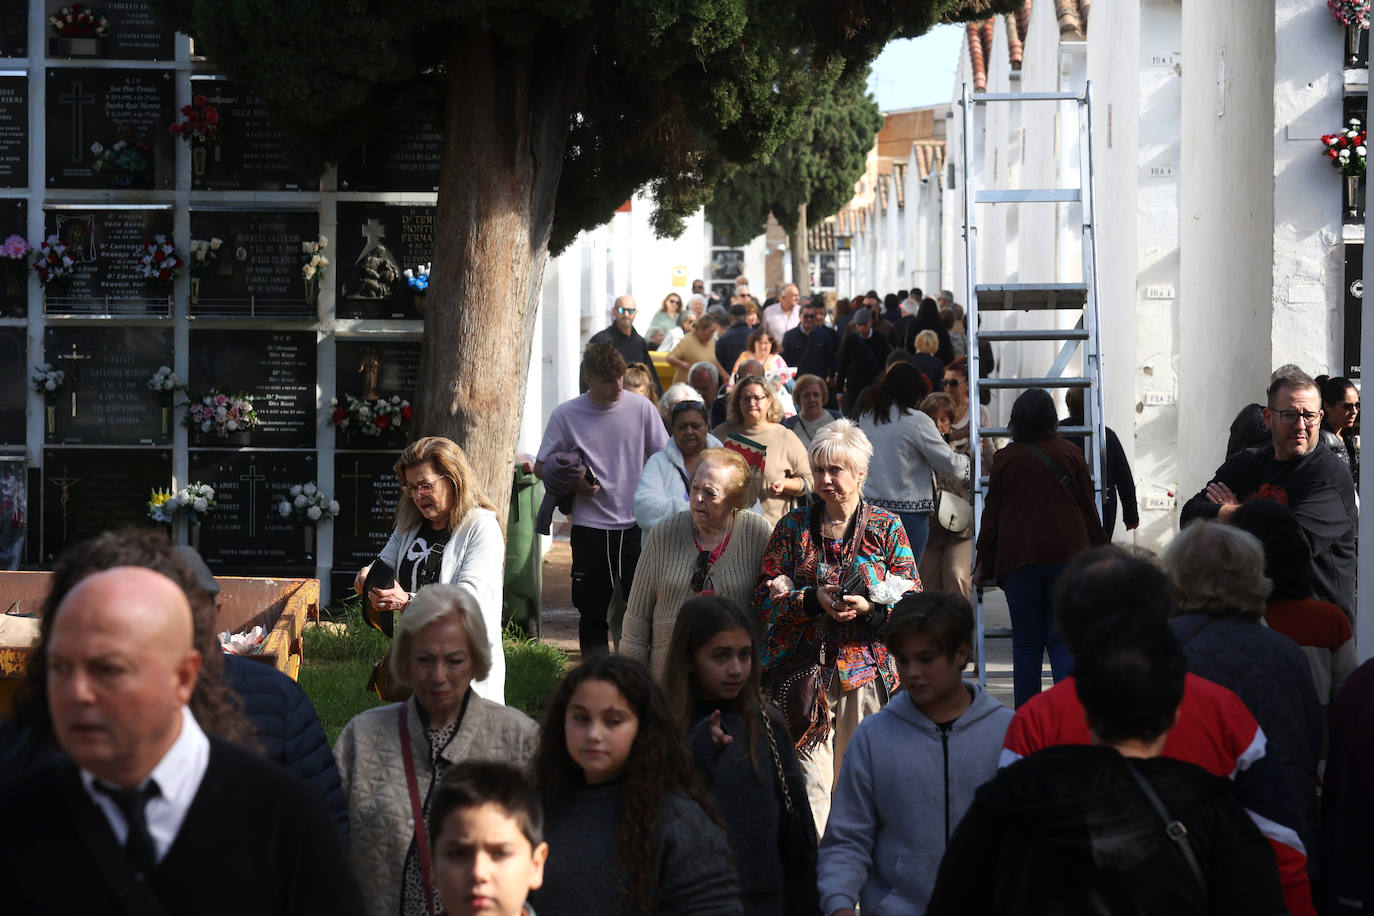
(338, 657)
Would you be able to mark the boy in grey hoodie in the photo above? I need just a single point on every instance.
(910, 771)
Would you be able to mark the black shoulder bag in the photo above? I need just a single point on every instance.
(1173, 828)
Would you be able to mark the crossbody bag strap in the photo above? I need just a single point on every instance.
(1173, 828)
(1061, 474)
(416, 810)
(129, 887)
(777, 760)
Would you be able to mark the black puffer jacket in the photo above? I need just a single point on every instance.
(1068, 832)
(288, 730)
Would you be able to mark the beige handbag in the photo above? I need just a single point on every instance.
(952, 512)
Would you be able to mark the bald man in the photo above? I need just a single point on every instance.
(147, 812)
(626, 340)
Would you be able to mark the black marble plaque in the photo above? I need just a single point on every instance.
(372, 369)
(276, 367)
(14, 131)
(133, 33)
(368, 492)
(107, 245)
(105, 107)
(14, 385)
(14, 28)
(14, 277)
(245, 533)
(14, 511)
(376, 244)
(248, 155)
(107, 400)
(90, 490)
(258, 271)
(406, 155)
(1354, 301)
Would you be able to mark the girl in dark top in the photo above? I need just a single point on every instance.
(712, 678)
(620, 790)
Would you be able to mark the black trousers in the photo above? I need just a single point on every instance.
(602, 563)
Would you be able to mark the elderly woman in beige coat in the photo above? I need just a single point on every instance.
(440, 649)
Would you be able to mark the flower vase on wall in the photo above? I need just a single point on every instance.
(420, 303)
(51, 411)
(309, 532)
(166, 420)
(195, 536)
(312, 291)
(1354, 197)
(15, 280)
(195, 290)
(200, 154)
(1353, 34)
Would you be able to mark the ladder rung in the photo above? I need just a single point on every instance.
(1064, 382)
(1036, 334)
(1028, 196)
(1005, 431)
(1026, 97)
(1013, 296)
(997, 633)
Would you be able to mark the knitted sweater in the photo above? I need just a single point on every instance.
(663, 581)
(786, 458)
(905, 450)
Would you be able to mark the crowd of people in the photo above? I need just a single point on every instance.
(771, 714)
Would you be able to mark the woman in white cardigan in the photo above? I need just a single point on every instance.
(663, 486)
(446, 531)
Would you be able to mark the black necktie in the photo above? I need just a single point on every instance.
(132, 804)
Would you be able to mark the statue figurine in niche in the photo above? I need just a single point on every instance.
(370, 370)
(376, 271)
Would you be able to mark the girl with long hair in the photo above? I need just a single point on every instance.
(743, 753)
(620, 790)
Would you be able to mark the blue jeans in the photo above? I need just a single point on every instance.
(1029, 590)
(917, 525)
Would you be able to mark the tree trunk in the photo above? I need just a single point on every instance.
(506, 112)
(801, 254)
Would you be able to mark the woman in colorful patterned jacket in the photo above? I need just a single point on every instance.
(823, 605)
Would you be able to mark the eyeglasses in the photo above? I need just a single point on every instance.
(1290, 417)
(701, 578)
(621, 310)
(687, 404)
(753, 398)
(423, 488)
(951, 383)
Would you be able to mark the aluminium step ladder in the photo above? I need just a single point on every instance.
(1044, 298)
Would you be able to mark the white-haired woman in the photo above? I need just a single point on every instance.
(441, 647)
(820, 566)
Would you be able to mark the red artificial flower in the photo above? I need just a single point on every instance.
(382, 420)
(405, 412)
(340, 415)
(198, 100)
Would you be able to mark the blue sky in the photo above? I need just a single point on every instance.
(913, 72)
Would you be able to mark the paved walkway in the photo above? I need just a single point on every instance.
(559, 623)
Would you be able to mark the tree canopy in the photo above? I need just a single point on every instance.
(816, 168)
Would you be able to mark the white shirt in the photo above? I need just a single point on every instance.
(178, 775)
(779, 322)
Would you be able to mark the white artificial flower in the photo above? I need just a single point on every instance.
(284, 508)
(333, 507)
(309, 489)
(296, 490)
(324, 242)
(313, 513)
(231, 425)
(301, 501)
(200, 505)
(205, 427)
(308, 272)
(50, 385)
(208, 491)
(215, 243)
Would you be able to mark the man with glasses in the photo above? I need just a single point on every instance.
(782, 316)
(627, 341)
(811, 346)
(1311, 481)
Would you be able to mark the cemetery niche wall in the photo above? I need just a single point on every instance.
(115, 136)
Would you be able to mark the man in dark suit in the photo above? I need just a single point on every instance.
(810, 347)
(146, 812)
(733, 340)
(863, 355)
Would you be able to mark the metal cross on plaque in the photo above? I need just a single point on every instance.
(374, 232)
(75, 359)
(252, 478)
(77, 99)
(66, 482)
(355, 477)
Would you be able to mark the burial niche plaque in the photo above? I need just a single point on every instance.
(14, 28)
(14, 385)
(248, 155)
(406, 155)
(245, 533)
(377, 243)
(371, 369)
(90, 490)
(14, 272)
(256, 271)
(14, 131)
(107, 400)
(277, 368)
(107, 245)
(132, 34)
(108, 129)
(368, 492)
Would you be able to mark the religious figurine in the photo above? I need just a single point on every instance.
(370, 370)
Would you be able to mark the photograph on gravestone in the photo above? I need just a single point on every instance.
(377, 243)
(14, 131)
(107, 245)
(14, 28)
(15, 257)
(107, 400)
(131, 33)
(14, 386)
(276, 369)
(108, 128)
(245, 533)
(255, 272)
(90, 490)
(369, 374)
(368, 492)
(248, 154)
(405, 154)
(14, 516)
(1354, 306)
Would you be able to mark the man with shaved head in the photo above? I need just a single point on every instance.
(627, 341)
(145, 806)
